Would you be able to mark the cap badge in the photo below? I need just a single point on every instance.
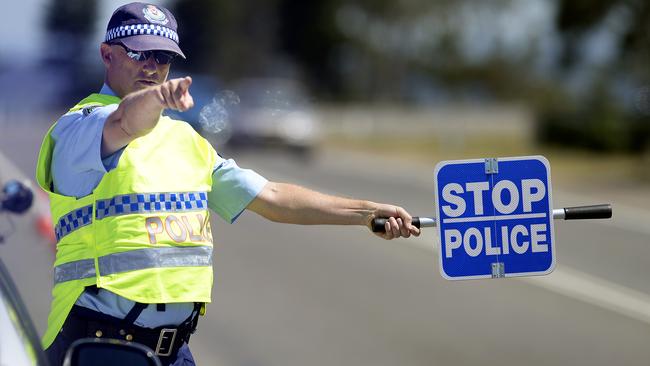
(154, 15)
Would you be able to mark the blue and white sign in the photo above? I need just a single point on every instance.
(495, 217)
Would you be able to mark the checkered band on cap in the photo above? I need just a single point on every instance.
(140, 29)
(73, 220)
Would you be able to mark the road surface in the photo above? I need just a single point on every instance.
(293, 295)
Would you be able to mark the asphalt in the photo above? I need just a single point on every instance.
(323, 295)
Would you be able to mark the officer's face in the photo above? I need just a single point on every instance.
(126, 75)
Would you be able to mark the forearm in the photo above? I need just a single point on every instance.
(136, 115)
(287, 203)
(139, 112)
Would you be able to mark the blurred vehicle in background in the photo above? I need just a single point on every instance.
(19, 343)
(274, 112)
(253, 113)
(203, 90)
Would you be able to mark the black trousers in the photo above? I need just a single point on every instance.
(71, 331)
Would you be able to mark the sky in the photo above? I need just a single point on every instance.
(22, 33)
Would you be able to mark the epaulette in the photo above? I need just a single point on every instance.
(89, 108)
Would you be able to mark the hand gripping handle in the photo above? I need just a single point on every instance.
(603, 211)
(419, 222)
(378, 224)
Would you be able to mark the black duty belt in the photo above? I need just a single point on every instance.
(165, 340)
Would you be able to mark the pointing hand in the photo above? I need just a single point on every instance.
(176, 94)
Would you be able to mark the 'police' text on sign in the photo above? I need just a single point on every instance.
(495, 220)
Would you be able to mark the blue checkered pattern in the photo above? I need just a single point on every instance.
(151, 202)
(140, 29)
(130, 204)
(73, 220)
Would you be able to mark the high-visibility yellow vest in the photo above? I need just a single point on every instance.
(144, 231)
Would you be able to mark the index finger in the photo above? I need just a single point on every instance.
(405, 216)
(184, 83)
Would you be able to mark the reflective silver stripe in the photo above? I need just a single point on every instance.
(76, 270)
(134, 260)
(151, 202)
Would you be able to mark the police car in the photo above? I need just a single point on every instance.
(19, 344)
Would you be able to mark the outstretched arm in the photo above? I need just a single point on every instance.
(288, 203)
(138, 113)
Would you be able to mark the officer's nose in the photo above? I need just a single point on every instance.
(150, 64)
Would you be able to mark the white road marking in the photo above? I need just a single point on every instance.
(623, 217)
(574, 284)
(597, 291)
(564, 280)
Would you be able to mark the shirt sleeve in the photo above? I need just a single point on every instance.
(233, 188)
(77, 166)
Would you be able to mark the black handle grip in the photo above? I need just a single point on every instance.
(588, 212)
(378, 224)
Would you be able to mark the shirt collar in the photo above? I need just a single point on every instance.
(107, 90)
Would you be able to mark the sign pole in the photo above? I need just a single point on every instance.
(494, 217)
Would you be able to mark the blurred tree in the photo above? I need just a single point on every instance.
(416, 50)
(404, 50)
(575, 18)
(228, 39)
(358, 49)
(309, 35)
(200, 26)
(69, 26)
(608, 112)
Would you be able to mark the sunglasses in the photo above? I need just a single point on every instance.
(161, 57)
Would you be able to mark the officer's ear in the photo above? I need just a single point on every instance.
(106, 53)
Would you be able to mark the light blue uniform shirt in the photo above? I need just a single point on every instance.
(77, 168)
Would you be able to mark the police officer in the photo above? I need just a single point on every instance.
(130, 191)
